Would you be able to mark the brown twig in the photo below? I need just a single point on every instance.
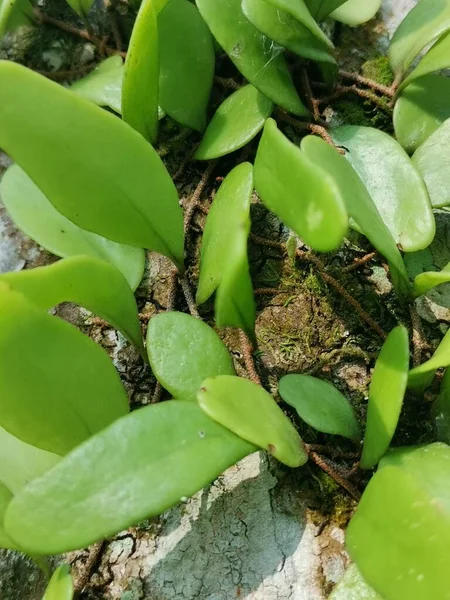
(93, 558)
(419, 343)
(343, 90)
(195, 198)
(332, 470)
(267, 291)
(227, 83)
(314, 105)
(359, 262)
(314, 128)
(68, 75)
(247, 353)
(374, 85)
(189, 296)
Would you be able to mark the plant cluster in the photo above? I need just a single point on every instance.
(76, 465)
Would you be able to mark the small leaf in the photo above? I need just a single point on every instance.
(259, 60)
(320, 9)
(249, 411)
(441, 410)
(421, 377)
(386, 393)
(420, 109)
(424, 282)
(140, 466)
(432, 159)
(436, 59)
(71, 389)
(187, 64)
(183, 351)
(320, 405)
(5, 498)
(37, 218)
(425, 23)
(60, 586)
(87, 281)
(13, 14)
(393, 182)
(298, 191)
(120, 188)
(298, 10)
(103, 85)
(235, 123)
(81, 7)
(353, 587)
(355, 12)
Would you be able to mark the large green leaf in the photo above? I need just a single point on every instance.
(356, 12)
(37, 218)
(424, 24)
(13, 14)
(320, 9)
(386, 393)
(249, 411)
(81, 7)
(235, 123)
(420, 377)
(60, 586)
(441, 410)
(436, 59)
(137, 468)
(298, 10)
(98, 172)
(57, 386)
(359, 205)
(187, 64)
(257, 58)
(432, 159)
(299, 191)
(103, 85)
(5, 498)
(353, 587)
(87, 281)
(183, 351)
(393, 182)
(424, 282)
(320, 405)
(420, 109)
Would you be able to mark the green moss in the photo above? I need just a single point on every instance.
(378, 70)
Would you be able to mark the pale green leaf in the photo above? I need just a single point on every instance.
(436, 59)
(103, 85)
(320, 9)
(353, 587)
(356, 12)
(13, 14)
(424, 282)
(420, 377)
(5, 498)
(299, 11)
(60, 586)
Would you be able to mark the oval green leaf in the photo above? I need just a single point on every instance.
(353, 587)
(137, 468)
(436, 59)
(103, 85)
(259, 60)
(420, 377)
(386, 393)
(250, 412)
(432, 159)
(355, 12)
(424, 282)
(183, 351)
(38, 219)
(420, 109)
(5, 498)
(55, 408)
(441, 410)
(87, 281)
(187, 64)
(320, 9)
(393, 182)
(320, 405)
(235, 123)
(60, 586)
(301, 193)
(121, 189)
(81, 7)
(13, 14)
(298, 10)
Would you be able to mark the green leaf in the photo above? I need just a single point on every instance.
(359, 206)
(320, 405)
(441, 410)
(13, 14)
(120, 188)
(103, 85)
(320, 9)
(259, 60)
(60, 586)
(235, 123)
(436, 59)
(298, 10)
(432, 160)
(249, 411)
(424, 24)
(421, 377)
(71, 389)
(87, 281)
(5, 498)
(299, 191)
(187, 64)
(81, 7)
(353, 587)
(355, 12)
(137, 468)
(400, 534)
(393, 182)
(420, 109)
(38, 219)
(140, 88)
(386, 393)
(424, 282)
(183, 351)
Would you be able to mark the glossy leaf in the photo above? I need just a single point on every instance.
(320, 9)
(386, 393)
(259, 60)
(87, 281)
(81, 7)
(60, 586)
(235, 123)
(299, 191)
(425, 23)
(137, 468)
(441, 410)
(103, 85)
(393, 182)
(5, 498)
(187, 64)
(249, 411)
(420, 377)
(359, 206)
(55, 408)
(38, 219)
(353, 587)
(432, 159)
(320, 405)
(420, 109)
(355, 12)
(13, 14)
(183, 351)
(298, 10)
(121, 189)
(424, 282)
(436, 59)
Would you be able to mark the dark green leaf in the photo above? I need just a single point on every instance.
(441, 410)
(249, 411)
(81, 7)
(137, 468)
(60, 586)
(320, 405)
(183, 351)
(436, 59)
(13, 14)
(420, 377)
(355, 12)
(353, 587)
(320, 9)
(103, 85)
(424, 282)
(298, 10)
(5, 498)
